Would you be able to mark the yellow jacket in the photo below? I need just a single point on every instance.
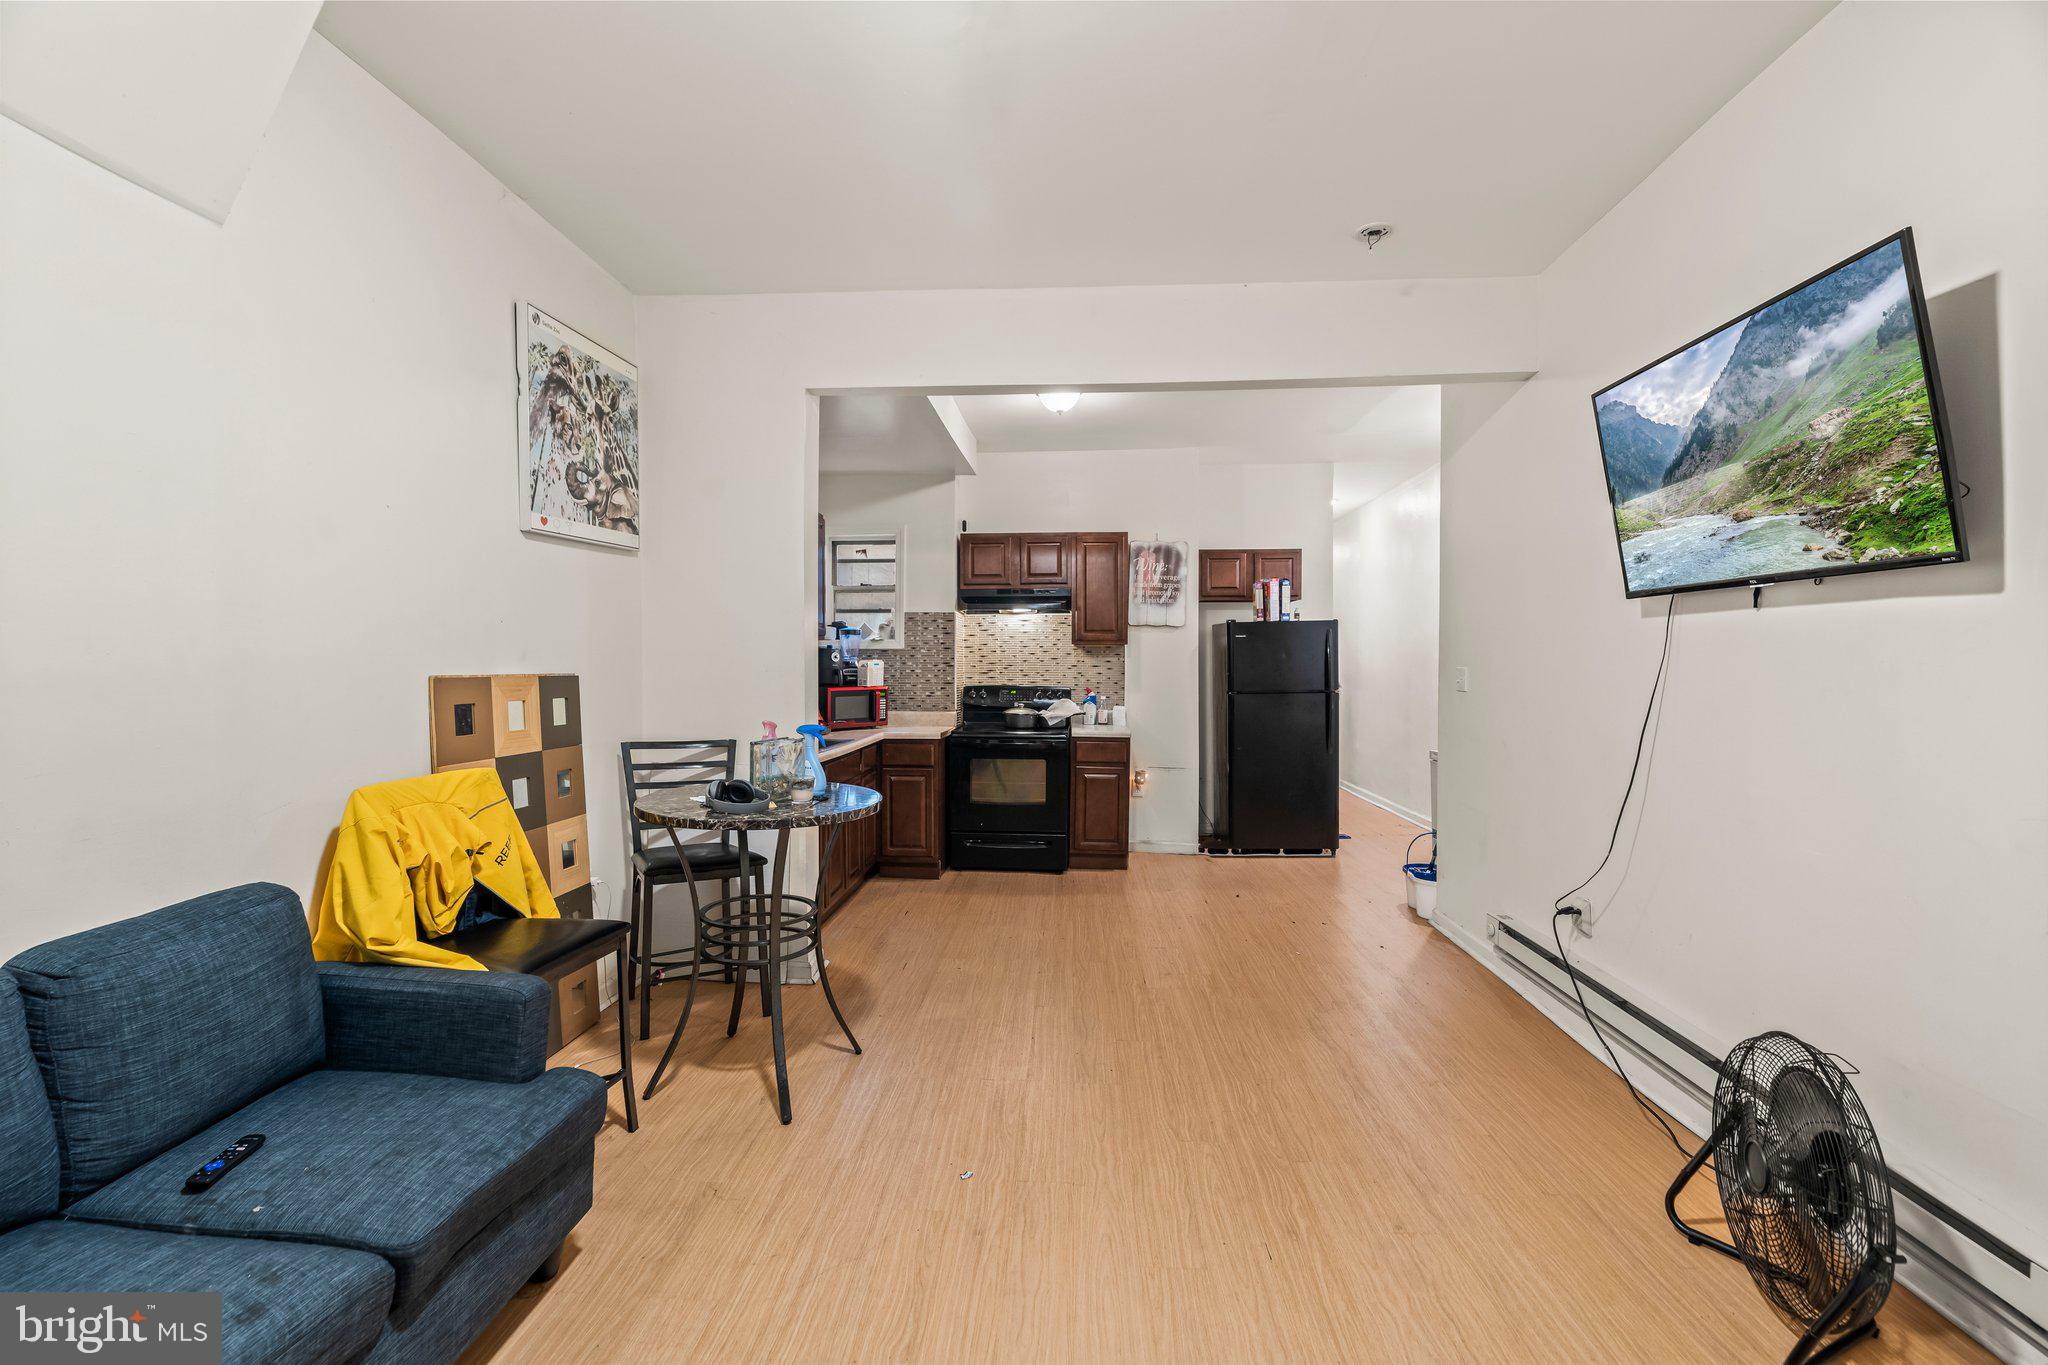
(405, 858)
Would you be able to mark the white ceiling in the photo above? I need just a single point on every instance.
(722, 148)
(1269, 425)
(887, 433)
(171, 97)
(1377, 437)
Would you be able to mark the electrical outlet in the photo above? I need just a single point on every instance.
(1461, 678)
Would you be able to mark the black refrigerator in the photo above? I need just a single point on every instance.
(1276, 743)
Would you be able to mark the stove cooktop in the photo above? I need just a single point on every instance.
(982, 708)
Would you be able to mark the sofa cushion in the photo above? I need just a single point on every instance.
(489, 1271)
(279, 1301)
(410, 1167)
(28, 1180)
(150, 1028)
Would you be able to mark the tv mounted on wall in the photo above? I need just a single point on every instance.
(1804, 439)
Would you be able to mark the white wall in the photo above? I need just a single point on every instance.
(264, 483)
(1845, 828)
(1273, 506)
(921, 505)
(730, 435)
(1386, 585)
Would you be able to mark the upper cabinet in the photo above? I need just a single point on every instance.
(1228, 575)
(1102, 588)
(1042, 561)
(988, 561)
(1095, 566)
(1278, 564)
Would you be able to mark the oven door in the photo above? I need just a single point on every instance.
(998, 785)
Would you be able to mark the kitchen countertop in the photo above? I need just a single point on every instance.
(905, 725)
(937, 725)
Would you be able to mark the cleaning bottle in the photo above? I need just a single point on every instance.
(820, 786)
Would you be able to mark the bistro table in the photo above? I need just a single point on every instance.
(750, 931)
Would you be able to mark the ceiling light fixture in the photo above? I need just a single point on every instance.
(1061, 401)
(1372, 234)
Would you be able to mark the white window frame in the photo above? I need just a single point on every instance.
(896, 536)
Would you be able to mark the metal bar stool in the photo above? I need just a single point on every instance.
(679, 765)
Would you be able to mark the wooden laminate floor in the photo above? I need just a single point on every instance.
(1212, 1111)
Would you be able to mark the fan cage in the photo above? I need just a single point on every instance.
(1803, 1182)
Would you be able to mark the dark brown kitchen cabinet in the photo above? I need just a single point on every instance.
(907, 836)
(1042, 561)
(856, 852)
(911, 827)
(1102, 588)
(1094, 565)
(988, 561)
(1099, 819)
(1228, 575)
(1030, 560)
(1279, 564)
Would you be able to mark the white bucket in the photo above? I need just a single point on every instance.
(1421, 896)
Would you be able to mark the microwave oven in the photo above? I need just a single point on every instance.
(854, 708)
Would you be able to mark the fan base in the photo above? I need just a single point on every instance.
(1833, 1348)
(1803, 1352)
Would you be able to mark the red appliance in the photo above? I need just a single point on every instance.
(855, 708)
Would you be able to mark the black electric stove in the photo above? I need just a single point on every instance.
(1007, 787)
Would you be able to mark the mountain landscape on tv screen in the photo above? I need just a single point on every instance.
(1799, 439)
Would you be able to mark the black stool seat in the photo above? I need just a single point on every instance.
(534, 946)
(707, 859)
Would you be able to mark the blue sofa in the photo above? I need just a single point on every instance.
(420, 1161)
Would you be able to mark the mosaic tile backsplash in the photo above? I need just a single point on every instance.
(920, 674)
(1034, 651)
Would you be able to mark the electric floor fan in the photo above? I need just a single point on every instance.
(1804, 1188)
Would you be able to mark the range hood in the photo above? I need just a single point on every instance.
(990, 601)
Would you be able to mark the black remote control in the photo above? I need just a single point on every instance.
(203, 1179)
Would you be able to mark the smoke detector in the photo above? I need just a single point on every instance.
(1372, 234)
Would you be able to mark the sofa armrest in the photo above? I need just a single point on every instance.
(436, 1021)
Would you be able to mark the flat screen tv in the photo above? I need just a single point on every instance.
(1802, 440)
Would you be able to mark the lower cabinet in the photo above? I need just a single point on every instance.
(907, 836)
(856, 850)
(912, 825)
(1099, 829)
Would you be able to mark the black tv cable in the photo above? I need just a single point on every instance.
(1563, 911)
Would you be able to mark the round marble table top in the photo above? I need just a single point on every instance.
(686, 810)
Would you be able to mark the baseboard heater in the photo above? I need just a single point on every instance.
(1999, 1279)
(1219, 851)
